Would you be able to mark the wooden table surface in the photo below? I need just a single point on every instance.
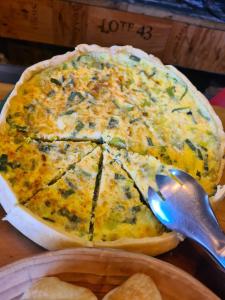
(14, 246)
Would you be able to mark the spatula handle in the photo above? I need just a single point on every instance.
(218, 254)
(212, 239)
(219, 259)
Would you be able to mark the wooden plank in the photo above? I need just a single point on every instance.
(196, 47)
(54, 22)
(68, 23)
(5, 89)
(110, 27)
(28, 20)
(197, 17)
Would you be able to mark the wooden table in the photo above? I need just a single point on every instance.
(14, 246)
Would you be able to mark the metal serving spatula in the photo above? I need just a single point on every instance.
(184, 206)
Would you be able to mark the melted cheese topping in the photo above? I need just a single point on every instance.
(119, 212)
(68, 203)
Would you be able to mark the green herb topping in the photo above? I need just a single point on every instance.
(69, 215)
(134, 58)
(190, 145)
(56, 81)
(79, 126)
(3, 162)
(66, 193)
(118, 142)
(149, 141)
(113, 123)
(119, 176)
(170, 91)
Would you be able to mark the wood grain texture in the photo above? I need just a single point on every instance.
(5, 89)
(54, 22)
(68, 23)
(14, 245)
(159, 11)
(196, 46)
(111, 27)
(100, 270)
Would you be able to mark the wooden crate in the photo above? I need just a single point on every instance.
(68, 23)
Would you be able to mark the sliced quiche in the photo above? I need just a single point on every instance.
(119, 211)
(28, 165)
(147, 115)
(141, 168)
(68, 202)
(59, 215)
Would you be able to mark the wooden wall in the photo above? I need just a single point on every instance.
(68, 23)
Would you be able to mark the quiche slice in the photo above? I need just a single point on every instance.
(141, 168)
(121, 220)
(27, 166)
(64, 207)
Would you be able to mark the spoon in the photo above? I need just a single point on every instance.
(182, 205)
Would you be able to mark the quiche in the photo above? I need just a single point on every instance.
(120, 215)
(141, 168)
(83, 136)
(67, 204)
(28, 165)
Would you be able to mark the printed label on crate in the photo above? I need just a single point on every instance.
(110, 27)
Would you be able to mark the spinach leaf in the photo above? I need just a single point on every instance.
(3, 162)
(66, 193)
(113, 123)
(56, 81)
(149, 140)
(79, 126)
(170, 91)
(134, 58)
(45, 147)
(191, 145)
(69, 215)
(119, 176)
(118, 142)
